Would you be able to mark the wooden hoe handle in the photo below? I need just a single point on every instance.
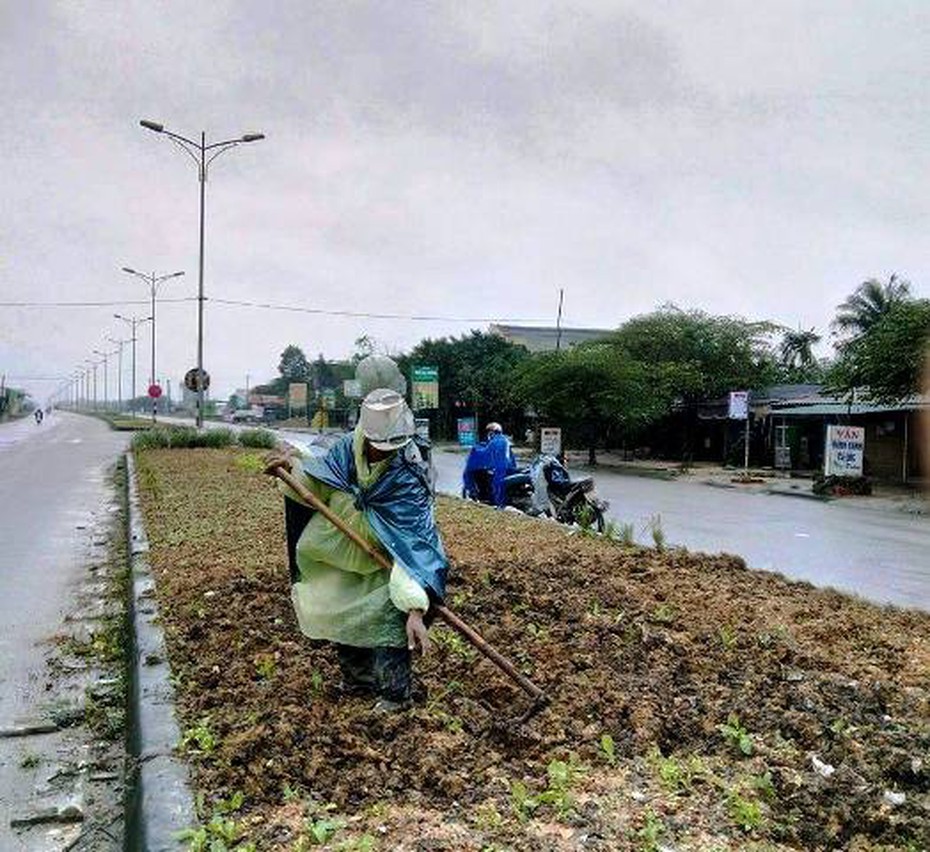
(460, 626)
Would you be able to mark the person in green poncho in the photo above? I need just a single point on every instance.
(340, 594)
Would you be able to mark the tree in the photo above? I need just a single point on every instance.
(475, 377)
(796, 355)
(705, 356)
(293, 365)
(870, 301)
(885, 360)
(593, 392)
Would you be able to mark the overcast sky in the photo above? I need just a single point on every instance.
(453, 159)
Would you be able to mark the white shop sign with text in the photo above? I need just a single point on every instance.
(550, 440)
(844, 451)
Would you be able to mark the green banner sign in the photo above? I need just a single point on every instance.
(425, 387)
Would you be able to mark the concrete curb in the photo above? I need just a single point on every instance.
(161, 802)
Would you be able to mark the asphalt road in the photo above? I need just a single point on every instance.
(867, 546)
(53, 486)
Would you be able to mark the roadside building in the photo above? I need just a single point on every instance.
(546, 338)
(892, 451)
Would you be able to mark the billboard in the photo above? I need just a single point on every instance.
(739, 405)
(425, 391)
(297, 394)
(467, 431)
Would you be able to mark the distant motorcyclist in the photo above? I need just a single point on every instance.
(492, 460)
(38, 415)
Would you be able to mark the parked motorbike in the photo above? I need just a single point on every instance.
(543, 488)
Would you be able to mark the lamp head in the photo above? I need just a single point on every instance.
(252, 137)
(152, 125)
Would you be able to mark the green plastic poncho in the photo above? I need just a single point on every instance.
(342, 594)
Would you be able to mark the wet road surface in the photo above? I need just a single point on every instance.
(53, 485)
(867, 546)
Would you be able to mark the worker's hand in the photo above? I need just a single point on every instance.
(417, 636)
(280, 456)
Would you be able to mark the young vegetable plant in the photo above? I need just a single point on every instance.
(736, 735)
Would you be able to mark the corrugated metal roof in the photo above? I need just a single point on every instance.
(825, 409)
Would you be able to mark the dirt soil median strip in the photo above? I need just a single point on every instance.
(690, 695)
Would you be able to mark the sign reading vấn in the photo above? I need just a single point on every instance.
(844, 451)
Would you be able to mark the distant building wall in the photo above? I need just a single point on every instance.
(546, 339)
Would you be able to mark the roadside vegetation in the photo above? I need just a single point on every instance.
(697, 705)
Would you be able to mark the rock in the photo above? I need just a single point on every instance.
(66, 813)
(893, 798)
(821, 768)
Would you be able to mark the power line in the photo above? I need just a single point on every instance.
(92, 304)
(268, 306)
(366, 314)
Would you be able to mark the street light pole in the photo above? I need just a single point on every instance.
(93, 365)
(133, 321)
(119, 372)
(153, 281)
(198, 152)
(106, 380)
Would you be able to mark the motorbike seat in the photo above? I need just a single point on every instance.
(519, 478)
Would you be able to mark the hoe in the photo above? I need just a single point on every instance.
(540, 699)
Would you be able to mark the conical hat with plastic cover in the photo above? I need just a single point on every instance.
(379, 371)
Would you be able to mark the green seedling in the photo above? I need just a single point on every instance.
(654, 528)
(608, 749)
(199, 739)
(664, 614)
(452, 643)
(674, 775)
(316, 683)
(745, 813)
(736, 735)
(522, 803)
(265, 666)
(650, 832)
(320, 825)
(627, 535)
(488, 817)
(728, 637)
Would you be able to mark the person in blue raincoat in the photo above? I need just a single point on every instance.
(492, 459)
(376, 481)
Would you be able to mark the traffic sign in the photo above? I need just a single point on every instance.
(191, 382)
(154, 391)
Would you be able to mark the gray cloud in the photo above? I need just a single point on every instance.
(456, 159)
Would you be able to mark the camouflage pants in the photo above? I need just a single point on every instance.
(384, 672)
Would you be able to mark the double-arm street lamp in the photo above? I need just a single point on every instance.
(133, 321)
(153, 281)
(202, 154)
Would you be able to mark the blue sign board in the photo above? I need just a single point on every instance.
(467, 431)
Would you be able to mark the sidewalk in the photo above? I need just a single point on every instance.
(759, 480)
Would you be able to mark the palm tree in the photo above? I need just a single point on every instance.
(796, 349)
(868, 304)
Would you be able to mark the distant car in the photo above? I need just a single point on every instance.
(245, 415)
